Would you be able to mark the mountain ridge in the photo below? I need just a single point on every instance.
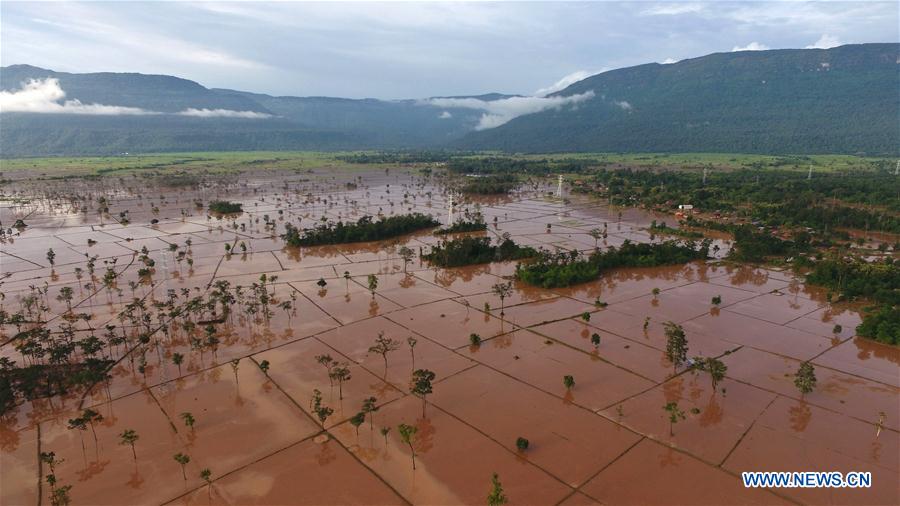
(839, 100)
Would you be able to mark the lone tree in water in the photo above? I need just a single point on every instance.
(369, 408)
(716, 369)
(421, 385)
(357, 420)
(206, 475)
(407, 433)
(676, 344)
(569, 382)
(322, 412)
(373, 284)
(496, 497)
(805, 379)
(183, 460)
(90, 416)
(340, 372)
(407, 255)
(674, 415)
(502, 290)
(129, 437)
(188, 420)
(383, 346)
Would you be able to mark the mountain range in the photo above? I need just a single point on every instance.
(840, 100)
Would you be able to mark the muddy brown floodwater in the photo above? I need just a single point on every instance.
(606, 440)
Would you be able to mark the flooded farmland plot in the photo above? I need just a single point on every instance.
(161, 352)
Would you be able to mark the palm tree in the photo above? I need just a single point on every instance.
(421, 385)
(177, 359)
(369, 407)
(183, 460)
(384, 432)
(206, 475)
(129, 437)
(188, 419)
(340, 372)
(357, 420)
(91, 416)
(411, 341)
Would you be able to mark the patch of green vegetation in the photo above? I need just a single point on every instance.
(476, 250)
(225, 207)
(662, 228)
(500, 184)
(882, 324)
(556, 270)
(364, 230)
(473, 222)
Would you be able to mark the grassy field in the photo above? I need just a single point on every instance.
(217, 162)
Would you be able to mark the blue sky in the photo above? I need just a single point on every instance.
(413, 50)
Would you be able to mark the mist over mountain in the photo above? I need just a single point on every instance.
(839, 100)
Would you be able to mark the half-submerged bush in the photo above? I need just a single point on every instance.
(365, 229)
(225, 207)
(476, 250)
(554, 270)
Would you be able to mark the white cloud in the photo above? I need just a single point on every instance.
(673, 9)
(498, 112)
(445, 115)
(223, 113)
(669, 61)
(47, 96)
(624, 105)
(567, 80)
(825, 42)
(753, 46)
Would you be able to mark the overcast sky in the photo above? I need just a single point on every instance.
(413, 50)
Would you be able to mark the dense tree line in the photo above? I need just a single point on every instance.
(225, 207)
(476, 250)
(490, 185)
(510, 165)
(365, 229)
(853, 278)
(553, 270)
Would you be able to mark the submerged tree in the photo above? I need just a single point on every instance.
(407, 433)
(322, 412)
(407, 255)
(595, 339)
(188, 420)
(676, 344)
(674, 415)
(183, 460)
(206, 475)
(383, 346)
(412, 341)
(805, 379)
(357, 420)
(496, 497)
(569, 382)
(522, 443)
(341, 373)
(129, 437)
(384, 432)
(373, 283)
(421, 385)
(369, 407)
(502, 290)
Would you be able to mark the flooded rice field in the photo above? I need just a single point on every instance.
(246, 378)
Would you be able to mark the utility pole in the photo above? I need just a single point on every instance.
(559, 186)
(705, 170)
(450, 209)
(809, 174)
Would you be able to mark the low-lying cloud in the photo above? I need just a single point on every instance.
(46, 96)
(499, 112)
(753, 46)
(825, 42)
(223, 113)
